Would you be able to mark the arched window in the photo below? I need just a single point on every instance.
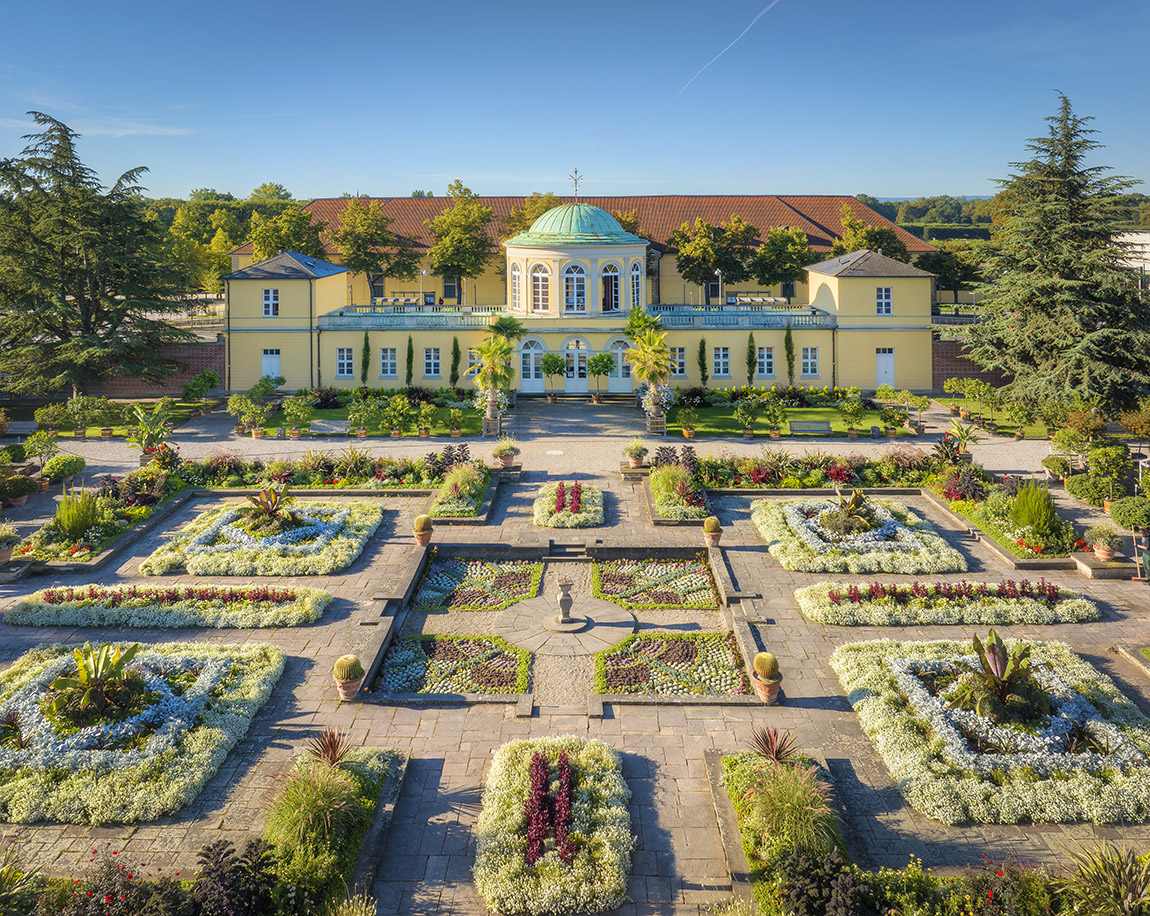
(622, 368)
(575, 352)
(636, 286)
(575, 289)
(515, 303)
(531, 361)
(610, 277)
(540, 288)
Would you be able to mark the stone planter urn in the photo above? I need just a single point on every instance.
(1105, 554)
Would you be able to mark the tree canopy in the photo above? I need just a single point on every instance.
(292, 230)
(84, 281)
(521, 218)
(956, 264)
(462, 246)
(270, 190)
(857, 234)
(704, 248)
(1065, 317)
(782, 256)
(367, 245)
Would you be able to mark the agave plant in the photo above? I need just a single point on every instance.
(97, 670)
(272, 502)
(774, 744)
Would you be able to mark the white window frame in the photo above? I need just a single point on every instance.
(636, 286)
(431, 362)
(345, 362)
(472, 359)
(883, 300)
(515, 301)
(388, 362)
(810, 362)
(766, 363)
(721, 362)
(528, 349)
(574, 289)
(612, 270)
(271, 303)
(540, 288)
(678, 362)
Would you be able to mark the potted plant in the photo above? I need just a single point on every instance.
(397, 415)
(362, 412)
(892, 418)
(1112, 464)
(505, 450)
(688, 417)
(8, 541)
(851, 410)
(953, 387)
(18, 488)
(1057, 467)
(1104, 540)
(1021, 414)
(599, 366)
(422, 529)
(747, 412)
(766, 679)
(963, 437)
(62, 468)
(256, 417)
(774, 415)
(712, 531)
(428, 414)
(238, 406)
(348, 675)
(554, 366)
(42, 445)
(455, 421)
(993, 401)
(635, 451)
(297, 412)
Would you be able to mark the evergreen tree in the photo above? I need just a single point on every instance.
(789, 352)
(1065, 317)
(701, 359)
(456, 356)
(84, 281)
(410, 362)
(364, 359)
(752, 359)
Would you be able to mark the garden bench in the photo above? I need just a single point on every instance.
(22, 427)
(813, 427)
(330, 427)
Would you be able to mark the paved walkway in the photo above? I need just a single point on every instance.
(678, 862)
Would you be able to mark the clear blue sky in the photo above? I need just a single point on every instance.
(890, 98)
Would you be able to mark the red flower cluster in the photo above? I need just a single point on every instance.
(1033, 548)
(114, 597)
(560, 497)
(545, 813)
(576, 496)
(948, 591)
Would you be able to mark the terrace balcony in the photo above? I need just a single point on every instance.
(752, 313)
(409, 314)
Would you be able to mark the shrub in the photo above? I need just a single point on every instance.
(1131, 512)
(1057, 465)
(964, 483)
(78, 511)
(1034, 508)
(1089, 488)
(1104, 536)
(15, 452)
(667, 479)
(789, 808)
(1109, 881)
(63, 466)
(821, 885)
(230, 884)
(317, 801)
(361, 904)
(17, 886)
(635, 449)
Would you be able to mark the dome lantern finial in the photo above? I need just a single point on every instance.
(576, 177)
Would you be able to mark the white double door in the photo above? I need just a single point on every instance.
(575, 378)
(531, 378)
(883, 366)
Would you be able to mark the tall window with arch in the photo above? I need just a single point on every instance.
(575, 289)
(531, 362)
(540, 288)
(610, 280)
(636, 286)
(515, 302)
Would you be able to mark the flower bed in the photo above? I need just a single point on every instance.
(463, 491)
(1084, 761)
(651, 584)
(897, 466)
(476, 585)
(179, 606)
(200, 703)
(903, 543)
(673, 664)
(585, 868)
(943, 603)
(215, 544)
(455, 664)
(562, 505)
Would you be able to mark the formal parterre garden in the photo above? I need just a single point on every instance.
(123, 734)
(455, 664)
(673, 664)
(568, 504)
(554, 833)
(652, 584)
(476, 585)
(171, 606)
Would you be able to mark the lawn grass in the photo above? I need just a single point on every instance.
(472, 422)
(178, 416)
(720, 421)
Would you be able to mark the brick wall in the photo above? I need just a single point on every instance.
(948, 362)
(196, 356)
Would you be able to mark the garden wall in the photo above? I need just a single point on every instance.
(948, 362)
(197, 356)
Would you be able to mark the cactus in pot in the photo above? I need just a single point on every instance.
(766, 678)
(348, 675)
(422, 529)
(712, 531)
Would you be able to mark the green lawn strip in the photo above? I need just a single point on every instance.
(720, 421)
(1005, 427)
(178, 416)
(472, 422)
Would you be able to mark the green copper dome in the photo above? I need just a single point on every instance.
(574, 224)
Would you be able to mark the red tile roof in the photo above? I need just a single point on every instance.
(659, 216)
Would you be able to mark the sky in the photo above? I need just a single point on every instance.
(891, 98)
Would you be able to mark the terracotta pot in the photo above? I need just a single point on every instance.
(635, 462)
(768, 691)
(295, 433)
(395, 433)
(712, 538)
(774, 432)
(748, 434)
(505, 461)
(257, 432)
(456, 433)
(688, 434)
(5, 554)
(424, 432)
(17, 500)
(348, 689)
(891, 433)
(1105, 554)
(361, 432)
(80, 432)
(239, 429)
(106, 432)
(953, 408)
(964, 414)
(422, 538)
(550, 399)
(852, 433)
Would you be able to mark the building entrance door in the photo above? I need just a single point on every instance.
(531, 367)
(576, 376)
(883, 366)
(270, 363)
(619, 380)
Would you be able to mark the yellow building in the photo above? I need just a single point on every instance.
(572, 279)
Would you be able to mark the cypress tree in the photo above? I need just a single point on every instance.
(752, 360)
(455, 357)
(410, 362)
(701, 358)
(364, 359)
(789, 351)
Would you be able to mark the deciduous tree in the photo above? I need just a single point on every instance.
(462, 245)
(782, 256)
(704, 248)
(367, 245)
(292, 230)
(857, 235)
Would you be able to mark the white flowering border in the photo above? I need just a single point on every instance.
(884, 612)
(90, 786)
(308, 606)
(911, 546)
(935, 777)
(601, 826)
(590, 514)
(212, 546)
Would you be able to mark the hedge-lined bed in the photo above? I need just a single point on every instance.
(461, 664)
(476, 585)
(568, 505)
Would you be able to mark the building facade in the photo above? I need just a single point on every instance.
(572, 279)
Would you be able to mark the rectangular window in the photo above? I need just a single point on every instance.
(713, 291)
(679, 362)
(472, 359)
(271, 303)
(766, 362)
(450, 288)
(344, 362)
(810, 361)
(882, 300)
(431, 362)
(721, 361)
(388, 363)
(788, 291)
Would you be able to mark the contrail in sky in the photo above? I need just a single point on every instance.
(766, 9)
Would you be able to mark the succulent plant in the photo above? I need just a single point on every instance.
(711, 525)
(422, 523)
(766, 666)
(348, 668)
